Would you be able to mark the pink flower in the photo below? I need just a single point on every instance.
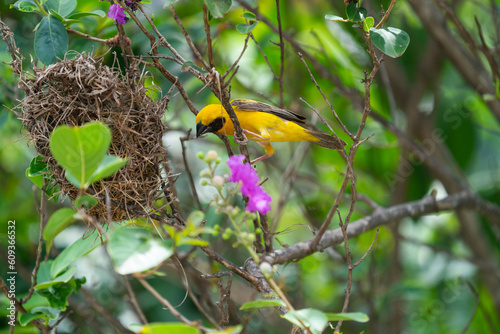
(258, 199)
(117, 13)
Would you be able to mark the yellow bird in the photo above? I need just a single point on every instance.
(263, 123)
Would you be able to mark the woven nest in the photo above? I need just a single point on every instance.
(82, 90)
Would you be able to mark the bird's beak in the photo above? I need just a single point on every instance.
(201, 129)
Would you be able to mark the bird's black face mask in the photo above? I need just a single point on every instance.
(214, 126)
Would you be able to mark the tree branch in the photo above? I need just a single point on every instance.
(424, 206)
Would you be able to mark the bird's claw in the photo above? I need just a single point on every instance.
(240, 141)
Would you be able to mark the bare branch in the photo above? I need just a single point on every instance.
(425, 206)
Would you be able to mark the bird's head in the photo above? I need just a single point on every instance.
(210, 119)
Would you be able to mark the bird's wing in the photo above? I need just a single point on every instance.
(250, 105)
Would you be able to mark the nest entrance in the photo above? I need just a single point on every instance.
(80, 90)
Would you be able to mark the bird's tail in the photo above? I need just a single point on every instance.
(327, 141)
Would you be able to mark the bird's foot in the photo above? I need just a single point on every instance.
(240, 141)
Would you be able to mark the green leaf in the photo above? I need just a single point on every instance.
(391, 41)
(36, 170)
(245, 28)
(249, 16)
(168, 327)
(57, 295)
(80, 150)
(26, 318)
(77, 16)
(109, 165)
(62, 7)
(354, 13)
(25, 6)
(368, 23)
(45, 279)
(86, 201)
(133, 249)
(218, 7)
(229, 330)
(50, 312)
(263, 303)
(56, 15)
(51, 40)
(76, 250)
(335, 18)
(36, 301)
(58, 221)
(354, 316)
(315, 320)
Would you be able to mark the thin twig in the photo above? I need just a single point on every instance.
(217, 275)
(87, 36)
(386, 14)
(209, 36)
(134, 302)
(350, 268)
(188, 170)
(237, 60)
(282, 53)
(169, 306)
(197, 53)
(41, 211)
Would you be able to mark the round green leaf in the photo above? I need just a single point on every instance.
(354, 13)
(249, 16)
(80, 150)
(391, 41)
(368, 23)
(218, 7)
(51, 40)
(245, 28)
(315, 320)
(25, 6)
(86, 201)
(133, 249)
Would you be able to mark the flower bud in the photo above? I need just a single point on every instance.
(211, 156)
(266, 269)
(218, 181)
(205, 173)
(200, 155)
(203, 182)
